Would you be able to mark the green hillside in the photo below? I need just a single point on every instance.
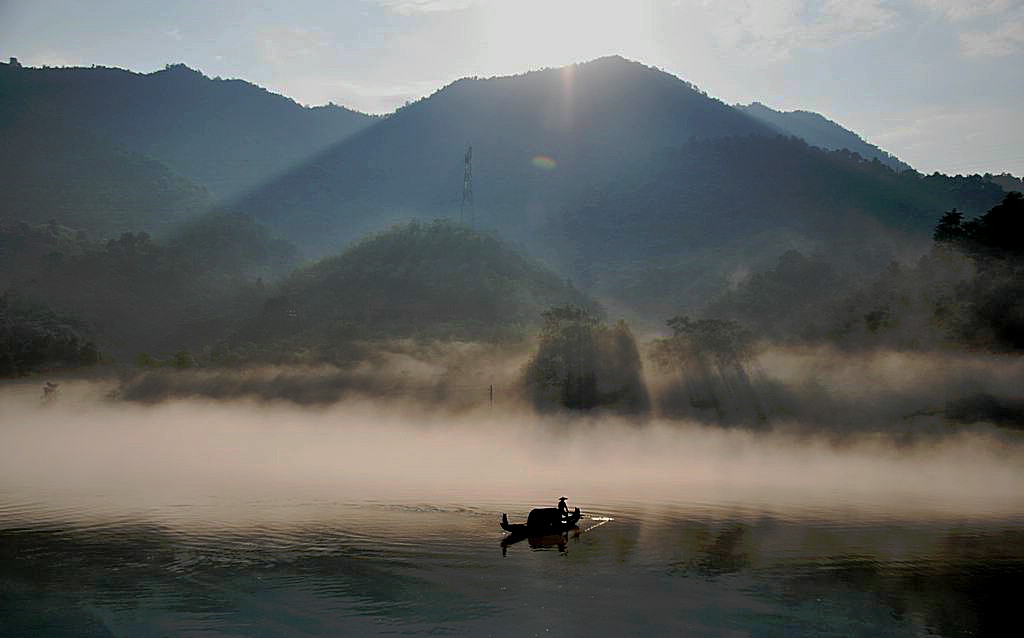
(432, 280)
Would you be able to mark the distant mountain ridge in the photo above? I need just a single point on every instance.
(539, 140)
(555, 149)
(227, 135)
(667, 231)
(818, 130)
(631, 181)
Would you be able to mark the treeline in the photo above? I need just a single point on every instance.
(211, 295)
(582, 363)
(34, 338)
(144, 295)
(967, 291)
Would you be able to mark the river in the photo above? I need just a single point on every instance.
(194, 518)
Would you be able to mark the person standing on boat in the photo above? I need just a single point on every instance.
(563, 509)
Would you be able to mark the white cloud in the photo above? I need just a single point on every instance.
(774, 29)
(998, 25)
(415, 7)
(381, 98)
(974, 138)
(1006, 39)
(286, 46)
(965, 9)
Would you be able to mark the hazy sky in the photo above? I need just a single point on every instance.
(937, 82)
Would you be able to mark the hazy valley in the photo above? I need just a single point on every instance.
(285, 365)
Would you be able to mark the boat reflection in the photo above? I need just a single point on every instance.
(540, 542)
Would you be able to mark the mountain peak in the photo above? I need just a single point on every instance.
(182, 69)
(615, 58)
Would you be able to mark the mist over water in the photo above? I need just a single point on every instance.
(243, 461)
(268, 514)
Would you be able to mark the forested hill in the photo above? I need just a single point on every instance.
(612, 138)
(708, 191)
(436, 280)
(817, 130)
(73, 177)
(680, 222)
(146, 295)
(538, 140)
(227, 135)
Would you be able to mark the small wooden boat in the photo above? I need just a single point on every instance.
(542, 521)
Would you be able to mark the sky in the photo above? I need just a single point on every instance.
(939, 83)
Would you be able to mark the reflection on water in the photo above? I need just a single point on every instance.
(427, 568)
(545, 541)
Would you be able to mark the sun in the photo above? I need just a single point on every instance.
(558, 32)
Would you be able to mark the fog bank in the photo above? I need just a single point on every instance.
(246, 462)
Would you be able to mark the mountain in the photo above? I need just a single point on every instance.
(435, 280)
(817, 130)
(643, 189)
(686, 219)
(227, 135)
(634, 183)
(549, 144)
(1008, 182)
(51, 171)
(539, 140)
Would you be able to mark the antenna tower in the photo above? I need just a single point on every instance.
(468, 212)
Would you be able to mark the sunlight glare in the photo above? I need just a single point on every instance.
(557, 33)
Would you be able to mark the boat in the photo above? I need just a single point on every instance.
(542, 521)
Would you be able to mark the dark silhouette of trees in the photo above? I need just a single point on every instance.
(998, 233)
(966, 292)
(142, 294)
(1001, 229)
(726, 341)
(950, 227)
(710, 358)
(34, 338)
(581, 364)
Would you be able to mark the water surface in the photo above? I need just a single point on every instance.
(254, 520)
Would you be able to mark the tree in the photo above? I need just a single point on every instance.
(997, 233)
(950, 228)
(1001, 229)
(582, 364)
(709, 358)
(726, 341)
